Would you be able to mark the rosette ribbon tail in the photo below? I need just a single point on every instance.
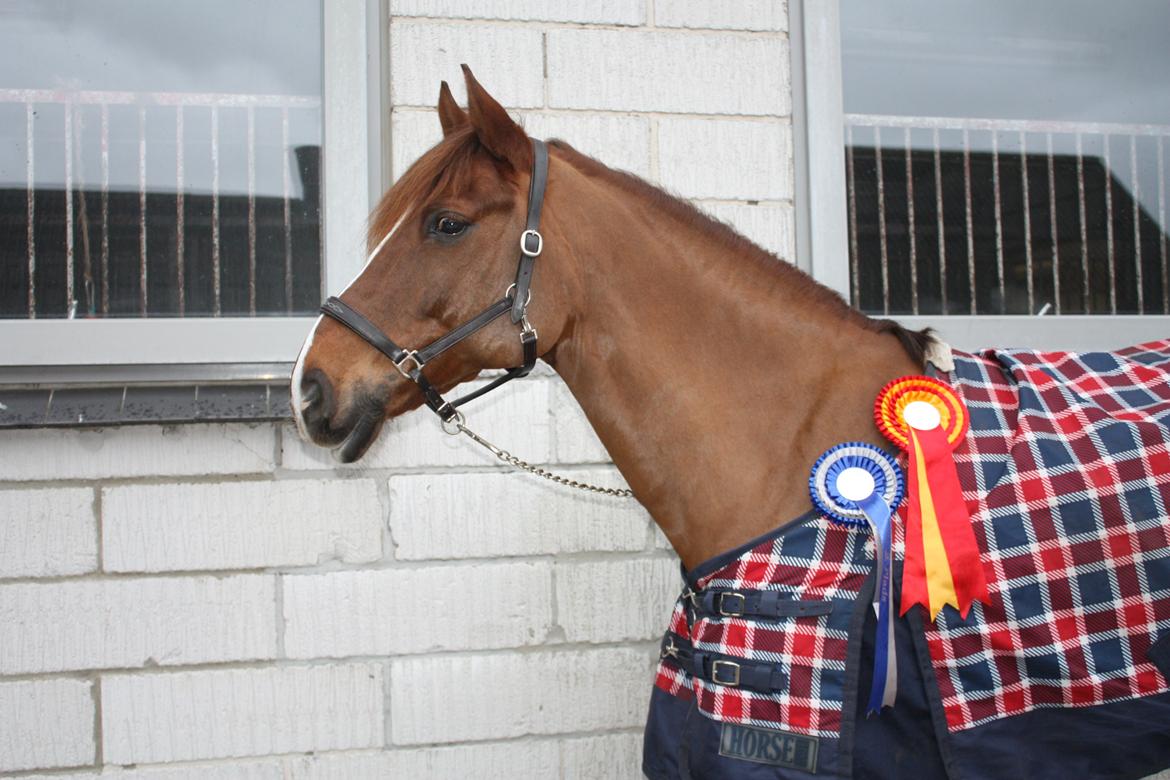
(942, 556)
(860, 485)
(884, 690)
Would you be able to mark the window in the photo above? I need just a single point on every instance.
(179, 182)
(1005, 165)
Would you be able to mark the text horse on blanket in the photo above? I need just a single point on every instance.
(1026, 510)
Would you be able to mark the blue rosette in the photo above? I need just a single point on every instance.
(861, 485)
(889, 484)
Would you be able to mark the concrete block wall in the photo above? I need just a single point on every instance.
(226, 601)
(643, 85)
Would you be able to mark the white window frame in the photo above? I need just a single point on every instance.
(822, 224)
(353, 45)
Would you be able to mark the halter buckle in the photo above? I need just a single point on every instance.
(524, 243)
(400, 364)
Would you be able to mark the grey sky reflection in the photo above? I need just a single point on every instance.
(270, 47)
(1060, 60)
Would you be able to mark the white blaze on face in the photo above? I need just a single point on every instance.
(298, 372)
(297, 376)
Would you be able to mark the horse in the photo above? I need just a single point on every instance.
(715, 374)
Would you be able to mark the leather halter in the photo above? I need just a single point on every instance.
(410, 362)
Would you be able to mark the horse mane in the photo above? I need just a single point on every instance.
(914, 342)
(446, 165)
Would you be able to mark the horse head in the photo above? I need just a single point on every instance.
(442, 247)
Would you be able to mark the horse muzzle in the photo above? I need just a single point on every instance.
(350, 431)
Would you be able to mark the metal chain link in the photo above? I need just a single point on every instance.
(458, 425)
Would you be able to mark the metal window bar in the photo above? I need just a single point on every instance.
(72, 102)
(1031, 281)
(910, 223)
(1020, 263)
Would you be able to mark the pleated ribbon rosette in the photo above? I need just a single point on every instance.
(855, 483)
(926, 418)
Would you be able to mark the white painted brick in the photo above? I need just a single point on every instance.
(515, 417)
(45, 724)
(181, 716)
(609, 756)
(660, 540)
(608, 601)
(240, 525)
(618, 140)
(769, 225)
(740, 160)
(576, 441)
(525, 760)
(438, 516)
(100, 624)
(507, 61)
(248, 769)
(416, 610)
(47, 533)
(412, 131)
(135, 451)
(623, 12)
(763, 15)
(442, 699)
(680, 72)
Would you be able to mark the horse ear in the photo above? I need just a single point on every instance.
(451, 116)
(495, 129)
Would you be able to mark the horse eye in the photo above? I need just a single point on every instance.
(450, 226)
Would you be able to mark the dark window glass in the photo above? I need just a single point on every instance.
(160, 159)
(1007, 158)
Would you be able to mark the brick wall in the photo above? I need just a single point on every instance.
(223, 600)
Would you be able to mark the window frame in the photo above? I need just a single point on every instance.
(822, 224)
(354, 39)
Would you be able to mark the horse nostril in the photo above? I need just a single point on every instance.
(310, 394)
(316, 398)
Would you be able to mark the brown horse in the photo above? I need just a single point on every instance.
(713, 372)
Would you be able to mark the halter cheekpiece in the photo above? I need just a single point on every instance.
(410, 362)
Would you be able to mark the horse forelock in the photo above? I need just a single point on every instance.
(445, 166)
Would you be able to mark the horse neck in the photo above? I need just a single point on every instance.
(713, 376)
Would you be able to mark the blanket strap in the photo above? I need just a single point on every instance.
(759, 604)
(725, 670)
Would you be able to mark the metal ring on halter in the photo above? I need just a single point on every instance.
(524, 243)
(527, 298)
(411, 355)
(456, 421)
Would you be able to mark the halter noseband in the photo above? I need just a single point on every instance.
(410, 362)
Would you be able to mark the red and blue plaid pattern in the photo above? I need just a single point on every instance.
(813, 561)
(1066, 473)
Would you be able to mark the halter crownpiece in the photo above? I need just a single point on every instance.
(858, 484)
(928, 420)
(409, 362)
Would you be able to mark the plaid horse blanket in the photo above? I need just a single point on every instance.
(1061, 674)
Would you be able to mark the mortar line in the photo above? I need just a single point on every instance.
(273, 663)
(281, 759)
(334, 566)
(647, 26)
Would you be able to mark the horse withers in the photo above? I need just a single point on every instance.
(715, 374)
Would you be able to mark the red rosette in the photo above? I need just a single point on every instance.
(896, 395)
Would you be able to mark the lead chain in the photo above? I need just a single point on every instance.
(458, 425)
